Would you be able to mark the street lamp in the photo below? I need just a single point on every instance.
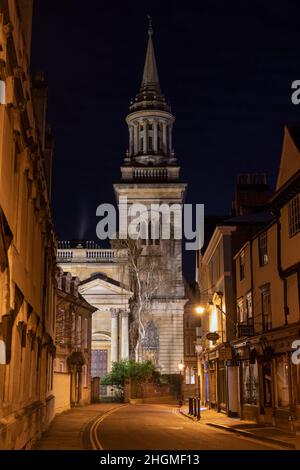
(199, 309)
(180, 367)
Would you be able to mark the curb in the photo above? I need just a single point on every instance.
(192, 417)
(253, 436)
(243, 433)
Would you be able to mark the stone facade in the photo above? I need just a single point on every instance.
(101, 274)
(73, 344)
(27, 241)
(150, 175)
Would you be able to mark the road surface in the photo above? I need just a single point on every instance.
(162, 427)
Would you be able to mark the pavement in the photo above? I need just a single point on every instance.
(67, 430)
(251, 429)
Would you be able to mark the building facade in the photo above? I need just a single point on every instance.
(102, 275)
(27, 240)
(216, 279)
(268, 303)
(73, 339)
(192, 331)
(150, 175)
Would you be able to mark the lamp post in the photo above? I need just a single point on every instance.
(180, 367)
(199, 309)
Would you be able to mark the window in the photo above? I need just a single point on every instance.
(2, 92)
(99, 362)
(86, 333)
(263, 249)
(85, 375)
(282, 372)
(294, 216)
(61, 366)
(242, 265)
(150, 143)
(141, 144)
(250, 383)
(79, 333)
(249, 308)
(240, 311)
(266, 307)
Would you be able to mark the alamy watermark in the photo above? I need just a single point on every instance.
(153, 222)
(296, 353)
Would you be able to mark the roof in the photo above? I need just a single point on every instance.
(150, 95)
(251, 218)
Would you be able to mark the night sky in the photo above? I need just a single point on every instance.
(225, 66)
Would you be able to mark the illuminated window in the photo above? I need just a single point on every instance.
(294, 216)
(263, 249)
(85, 375)
(241, 311)
(2, 352)
(249, 307)
(2, 92)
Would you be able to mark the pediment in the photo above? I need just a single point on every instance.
(103, 287)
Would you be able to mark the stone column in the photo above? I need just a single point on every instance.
(170, 138)
(135, 139)
(114, 335)
(165, 137)
(145, 147)
(125, 335)
(130, 141)
(155, 136)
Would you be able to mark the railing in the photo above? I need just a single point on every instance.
(150, 173)
(65, 254)
(90, 256)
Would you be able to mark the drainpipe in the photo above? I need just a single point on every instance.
(279, 265)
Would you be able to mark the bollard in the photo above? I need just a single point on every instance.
(195, 407)
(199, 409)
(190, 406)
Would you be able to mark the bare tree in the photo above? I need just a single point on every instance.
(147, 275)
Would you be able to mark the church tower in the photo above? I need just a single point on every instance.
(150, 175)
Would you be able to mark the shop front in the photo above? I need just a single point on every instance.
(269, 381)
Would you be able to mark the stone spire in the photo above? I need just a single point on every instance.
(150, 75)
(150, 155)
(150, 95)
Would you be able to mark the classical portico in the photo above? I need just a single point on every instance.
(110, 321)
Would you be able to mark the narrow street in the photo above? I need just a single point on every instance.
(138, 427)
(161, 427)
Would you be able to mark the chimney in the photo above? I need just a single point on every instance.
(251, 195)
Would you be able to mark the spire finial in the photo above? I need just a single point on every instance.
(150, 28)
